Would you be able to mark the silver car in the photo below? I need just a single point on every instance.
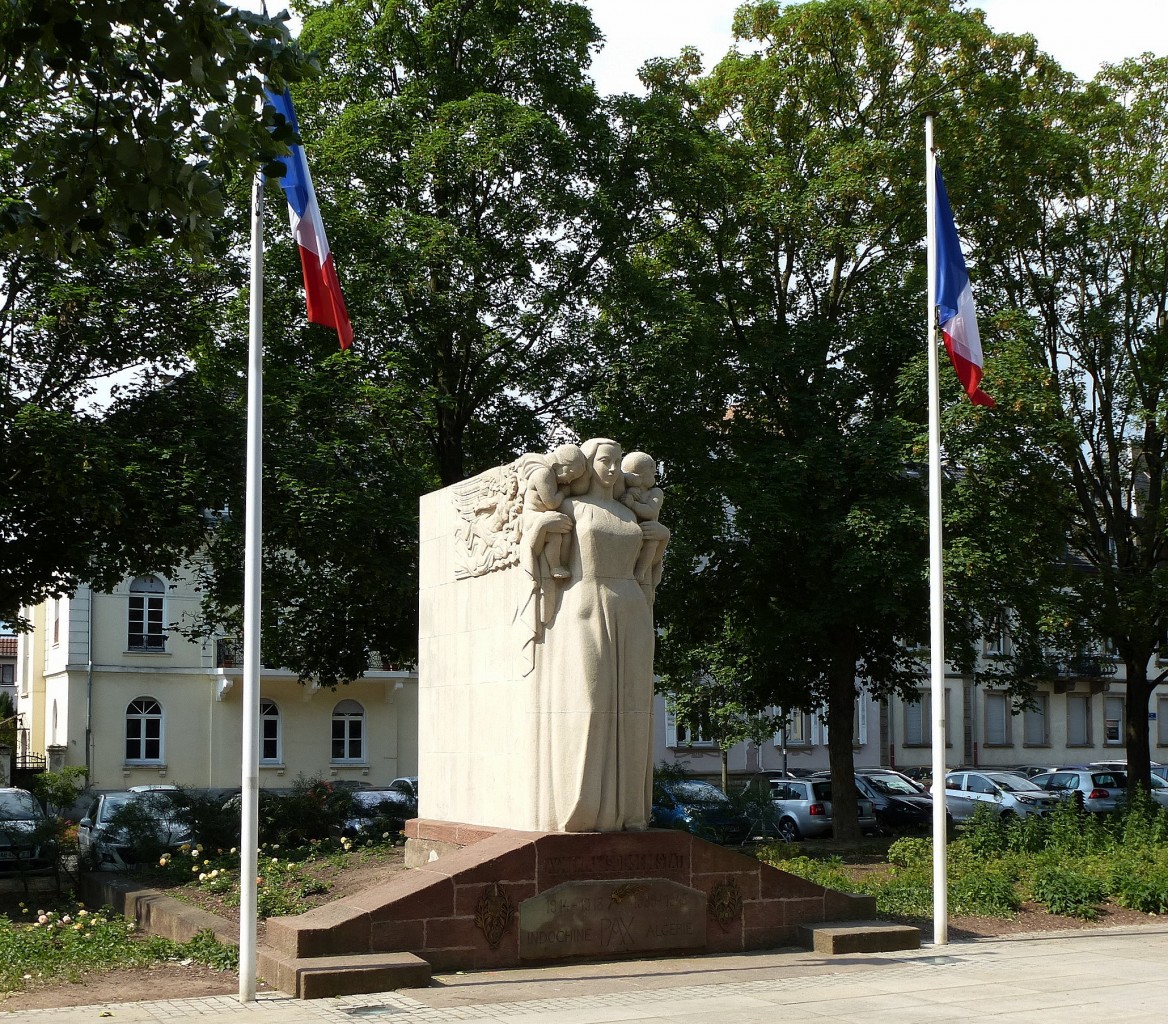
(803, 807)
(119, 825)
(1007, 794)
(1098, 790)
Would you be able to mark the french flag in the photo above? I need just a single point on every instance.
(955, 313)
(326, 304)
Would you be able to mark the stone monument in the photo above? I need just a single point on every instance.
(535, 742)
(536, 643)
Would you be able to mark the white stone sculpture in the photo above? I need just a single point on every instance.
(536, 667)
(594, 667)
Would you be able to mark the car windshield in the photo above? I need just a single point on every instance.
(157, 802)
(893, 784)
(1013, 783)
(372, 798)
(19, 806)
(698, 793)
(822, 791)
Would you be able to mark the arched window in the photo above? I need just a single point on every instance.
(144, 731)
(348, 741)
(146, 631)
(270, 738)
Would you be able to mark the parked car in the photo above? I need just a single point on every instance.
(900, 805)
(1030, 770)
(1161, 770)
(1098, 790)
(1008, 795)
(407, 784)
(700, 808)
(803, 808)
(377, 811)
(922, 775)
(25, 846)
(1159, 790)
(124, 828)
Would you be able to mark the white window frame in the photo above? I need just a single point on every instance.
(798, 730)
(996, 643)
(1162, 721)
(1084, 700)
(1114, 711)
(142, 711)
(924, 709)
(991, 698)
(860, 721)
(347, 714)
(146, 616)
(271, 732)
(678, 737)
(1036, 722)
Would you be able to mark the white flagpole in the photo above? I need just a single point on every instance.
(936, 579)
(252, 562)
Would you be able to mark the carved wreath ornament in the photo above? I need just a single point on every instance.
(493, 913)
(725, 903)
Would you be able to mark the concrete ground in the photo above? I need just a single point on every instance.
(1103, 975)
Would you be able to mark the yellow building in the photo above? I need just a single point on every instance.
(109, 682)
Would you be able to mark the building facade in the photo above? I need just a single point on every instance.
(802, 746)
(1077, 716)
(108, 681)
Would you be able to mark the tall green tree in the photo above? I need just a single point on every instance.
(1092, 275)
(462, 158)
(121, 122)
(788, 258)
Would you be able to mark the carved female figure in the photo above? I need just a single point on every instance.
(594, 668)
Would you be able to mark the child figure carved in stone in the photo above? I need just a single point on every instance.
(547, 486)
(645, 500)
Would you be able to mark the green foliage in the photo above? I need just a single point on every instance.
(1068, 861)
(905, 895)
(991, 891)
(161, 100)
(205, 949)
(57, 791)
(212, 820)
(56, 944)
(822, 871)
(313, 811)
(1141, 883)
(1067, 891)
(911, 852)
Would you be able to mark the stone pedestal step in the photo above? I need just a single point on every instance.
(348, 975)
(859, 937)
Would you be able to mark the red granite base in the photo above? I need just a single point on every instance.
(616, 895)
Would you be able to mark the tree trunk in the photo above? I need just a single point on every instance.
(1139, 751)
(841, 709)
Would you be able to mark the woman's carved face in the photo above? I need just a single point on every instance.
(606, 464)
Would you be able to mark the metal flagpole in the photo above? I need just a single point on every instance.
(252, 562)
(936, 579)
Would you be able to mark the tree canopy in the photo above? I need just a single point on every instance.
(122, 123)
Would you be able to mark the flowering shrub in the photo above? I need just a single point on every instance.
(55, 944)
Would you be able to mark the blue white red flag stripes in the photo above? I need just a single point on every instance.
(326, 304)
(955, 312)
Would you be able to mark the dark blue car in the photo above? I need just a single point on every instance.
(699, 808)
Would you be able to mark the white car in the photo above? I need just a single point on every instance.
(1007, 794)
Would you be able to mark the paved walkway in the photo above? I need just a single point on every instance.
(1111, 975)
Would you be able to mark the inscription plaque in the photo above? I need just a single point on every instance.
(612, 916)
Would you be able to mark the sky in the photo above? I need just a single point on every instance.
(1080, 34)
